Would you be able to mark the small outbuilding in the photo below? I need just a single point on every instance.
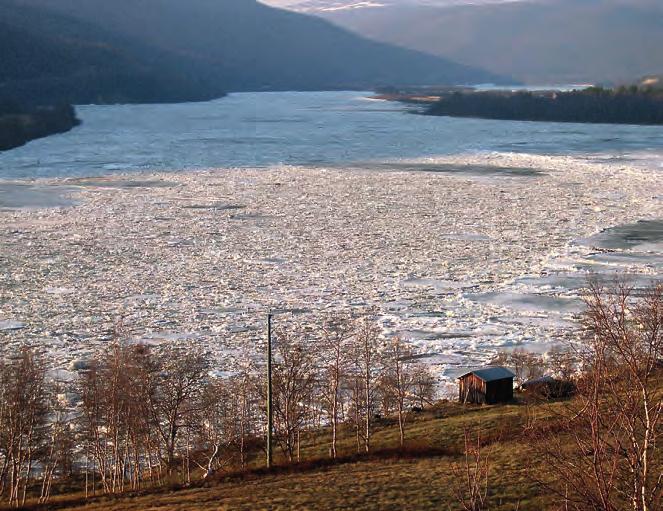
(489, 386)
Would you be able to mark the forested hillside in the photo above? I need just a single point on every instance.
(52, 58)
(166, 50)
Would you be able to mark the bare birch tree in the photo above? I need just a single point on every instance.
(398, 380)
(177, 398)
(423, 385)
(366, 370)
(59, 442)
(471, 476)
(23, 419)
(293, 383)
(337, 332)
(604, 446)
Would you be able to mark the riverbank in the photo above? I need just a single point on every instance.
(640, 104)
(19, 125)
(463, 256)
(594, 105)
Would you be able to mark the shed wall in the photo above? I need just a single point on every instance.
(472, 389)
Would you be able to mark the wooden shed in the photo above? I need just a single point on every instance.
(489, 385)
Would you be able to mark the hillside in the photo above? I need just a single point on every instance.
(428, 474)
(420, 477)
(542, 42)
(167, 50)
(52, 58)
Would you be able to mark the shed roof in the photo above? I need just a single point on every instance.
(490, 373)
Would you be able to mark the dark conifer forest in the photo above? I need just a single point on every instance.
(20, 123)
(625, 105)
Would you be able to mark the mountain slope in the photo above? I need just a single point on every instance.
(52, 58)
(536, 41)
(246, 45)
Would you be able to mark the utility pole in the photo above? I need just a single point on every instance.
(270, 413)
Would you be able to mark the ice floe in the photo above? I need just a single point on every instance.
(463, 256)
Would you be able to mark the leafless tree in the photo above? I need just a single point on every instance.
(525, 365)
(247, 403)
(335, 361)
(398, 380)
(471, 476)
(59, 444)
(518, 360)
(365, 374)
(423, 385)
(134, 404)
(228, 420)
(294, 379)
(177, 398)
(562, 363)
(535, 367)
(23, 421)
(111, 409)
(603, 447)
(217, 423)
(502, 358)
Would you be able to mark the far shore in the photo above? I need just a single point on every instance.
(593, 105)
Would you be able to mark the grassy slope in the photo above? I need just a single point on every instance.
(421, 478)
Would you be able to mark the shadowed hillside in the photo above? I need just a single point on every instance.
(418, 477)
(166, 50)
(52, 58)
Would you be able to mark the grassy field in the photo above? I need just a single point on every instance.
(419, 477)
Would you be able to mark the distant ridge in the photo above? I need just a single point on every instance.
(536, 41)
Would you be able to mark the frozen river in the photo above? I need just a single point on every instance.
(466, 237)
(311, 128)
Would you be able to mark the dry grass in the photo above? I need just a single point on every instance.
(374, 485)
(420, 477)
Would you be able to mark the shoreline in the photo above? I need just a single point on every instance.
(20, 125)
(462, 264)
(590, 106)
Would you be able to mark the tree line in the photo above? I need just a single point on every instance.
(20, 123)
(602, 448)
(599, 450)
(138, 416)
(626, 105)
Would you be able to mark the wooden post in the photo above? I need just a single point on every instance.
(270, 414)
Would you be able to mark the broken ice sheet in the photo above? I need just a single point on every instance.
(10, 325)
(407, 246)
(643, 235)
(530, 302)
(59, 290)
